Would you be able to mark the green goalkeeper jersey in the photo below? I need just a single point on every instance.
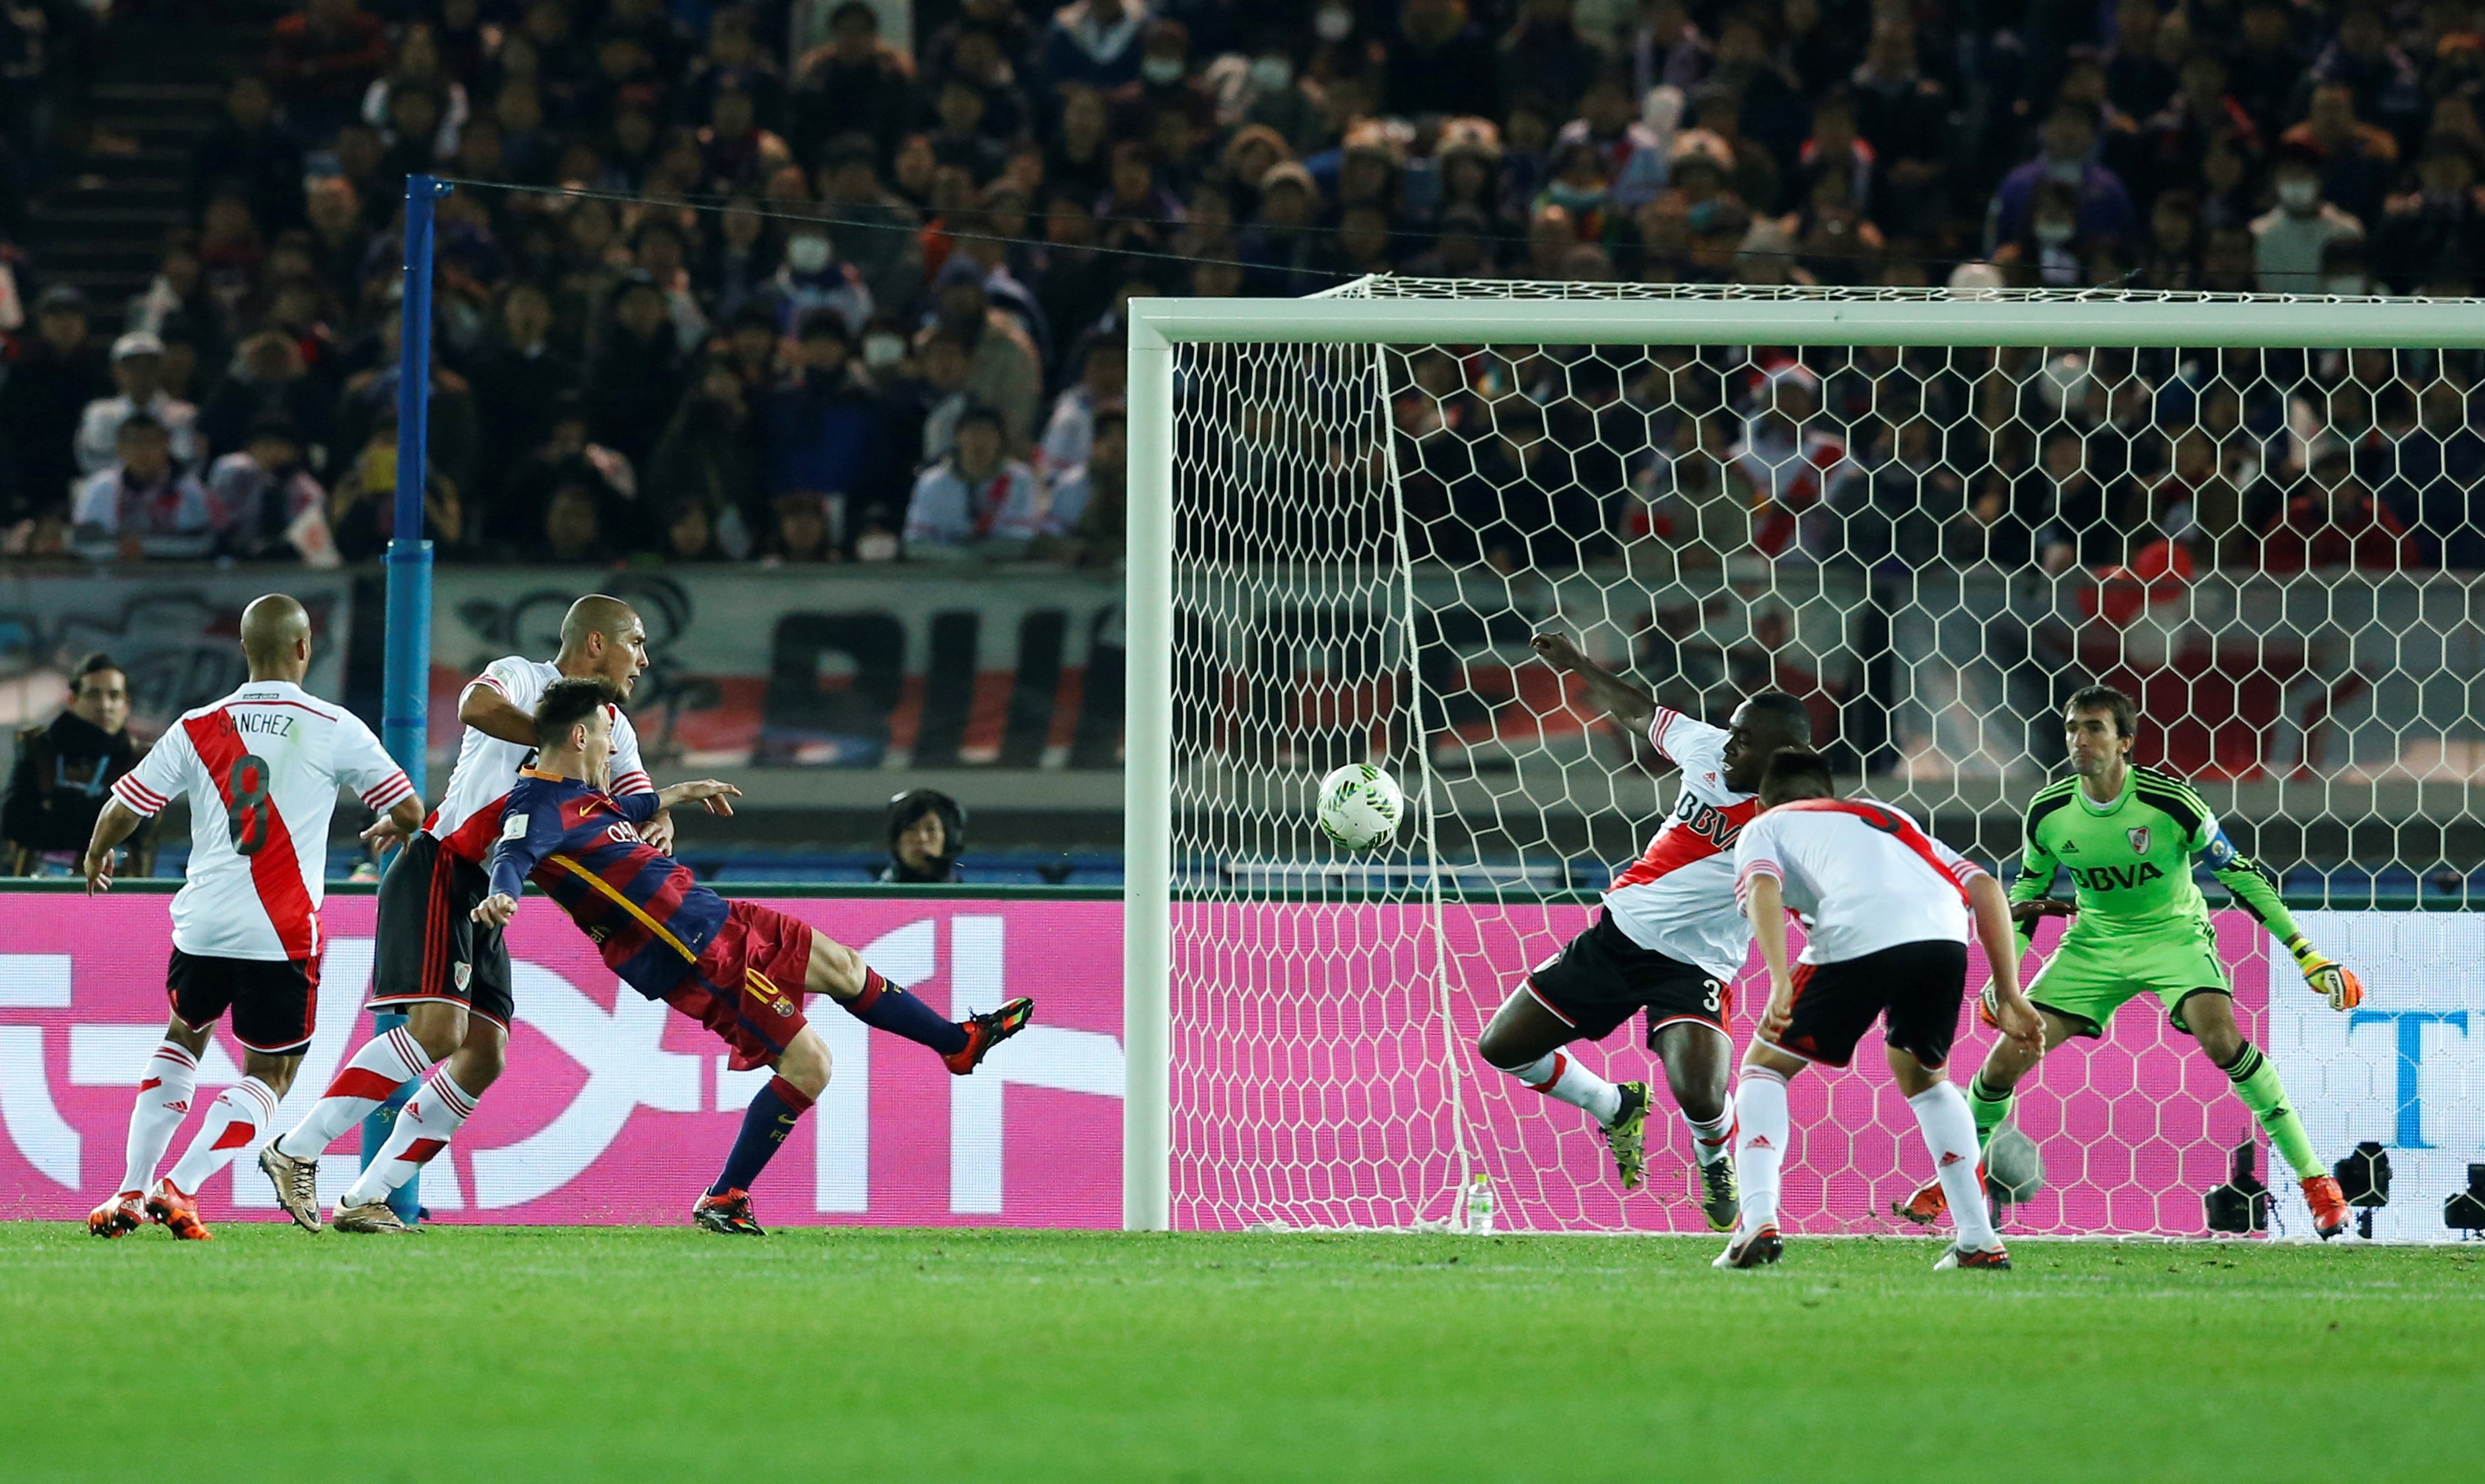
(2131, 860)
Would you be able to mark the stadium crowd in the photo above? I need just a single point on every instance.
(932, 365)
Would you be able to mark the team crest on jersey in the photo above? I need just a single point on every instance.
(462, 973)
(2139, 838)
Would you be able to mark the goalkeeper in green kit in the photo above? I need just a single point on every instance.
(2129, 837)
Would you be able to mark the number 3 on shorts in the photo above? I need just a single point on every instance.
(247, 816)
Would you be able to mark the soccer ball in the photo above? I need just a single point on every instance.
(1361, 807)
(2014, 1171)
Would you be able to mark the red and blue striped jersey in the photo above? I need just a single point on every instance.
(648, 916)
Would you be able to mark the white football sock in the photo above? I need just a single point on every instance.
(164, 1091)
(1713, 1142)
(1559, 1076)
(1950, 1134)
(387, 1062)
(1759, 1143)
(424, 1125)
(234, 1122)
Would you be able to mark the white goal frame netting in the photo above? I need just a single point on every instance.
(1348, 513)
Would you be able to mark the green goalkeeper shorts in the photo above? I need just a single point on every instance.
(2091, 975)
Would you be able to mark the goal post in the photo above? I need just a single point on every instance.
(1346, 512)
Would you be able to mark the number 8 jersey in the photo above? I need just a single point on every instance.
(260, 768)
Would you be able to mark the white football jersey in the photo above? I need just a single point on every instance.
(261, 768)
(1863, 877)
(468, 819)
(1678, 899)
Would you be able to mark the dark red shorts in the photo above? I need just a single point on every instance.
(747, 986)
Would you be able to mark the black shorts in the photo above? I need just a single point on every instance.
(275, 1002)
(1602, 979)
(430, 946)
(1918, 987)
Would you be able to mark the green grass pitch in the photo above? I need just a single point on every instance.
(538, 1353)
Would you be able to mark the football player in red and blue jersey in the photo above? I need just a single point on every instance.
(739, 968)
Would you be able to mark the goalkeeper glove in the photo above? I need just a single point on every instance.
(2334, 982)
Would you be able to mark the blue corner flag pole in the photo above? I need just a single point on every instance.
(407, 682)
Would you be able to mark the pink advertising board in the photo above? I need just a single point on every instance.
(1311, 1079)
(1310, 1084)
(614, 1109)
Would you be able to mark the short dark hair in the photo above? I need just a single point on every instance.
(1789, 710)
(567, 703)
(1797, 772)
(95, 663)
(2126, 716)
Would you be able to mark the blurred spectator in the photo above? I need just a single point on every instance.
(248, 150)
(2357, 160)
(1095, 42)
(362, 510)
(52, 374)
(573, 530)
(812, 279)
(1440, 61)
(800, 534)
(276, 511)
(636, 374)
(518, 379)
(1089, 519)
(876, 233)
(708, 463)
(323, 60)
(857, 84)
(1069, 430)
(66, 770)
(977, 502)
(268, 378)
(2069, 142)
(2289, 239)
(142, 506)
(1002, 369)
(138, 370)
(2335, 523)
(825, 433)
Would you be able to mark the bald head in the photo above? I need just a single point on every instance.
(601, 638)
(276, 638)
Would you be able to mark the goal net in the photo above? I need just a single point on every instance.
(1928, 515)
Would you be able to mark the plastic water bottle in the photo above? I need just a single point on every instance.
(1480, 1206)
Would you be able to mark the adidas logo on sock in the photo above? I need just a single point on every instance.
(1759, 1142)
(1951, 1158)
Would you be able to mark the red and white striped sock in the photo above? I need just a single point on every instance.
(1558, 1075)
(1759, 1143)
(387, 1062)
(1713, 1142)
(164, 1091)
(424, 1125)
(234, 1122)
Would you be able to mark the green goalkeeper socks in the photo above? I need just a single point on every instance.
(1988, 1107)
(2256, 1083)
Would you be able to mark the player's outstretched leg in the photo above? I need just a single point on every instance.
(839, 973)
(1696, 1056)
(1526, 1040)
(1949, 1136)
(802, 1072)
(368, 1079)
(2209, 1014)
(236, 1120)
(164, 1088)
(1760, 1132)
(1991, 1094)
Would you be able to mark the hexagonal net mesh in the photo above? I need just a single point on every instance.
(2273, 549)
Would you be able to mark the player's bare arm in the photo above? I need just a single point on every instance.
(1622, 701)
(1766, 907)
(715, 798)
(116, 824)
(490, 713)
(2020, 1020)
